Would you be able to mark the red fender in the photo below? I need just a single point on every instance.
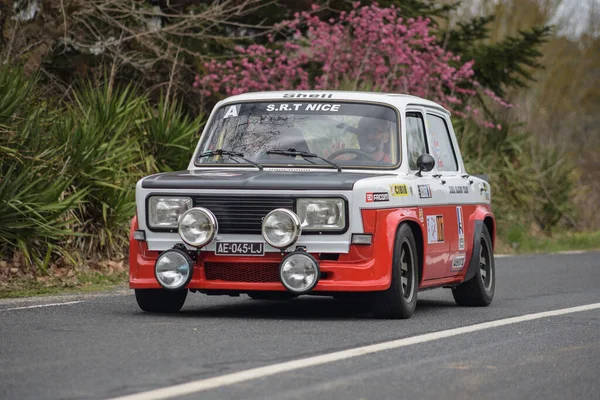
(138, 253)
(386, 221)
(478, 219)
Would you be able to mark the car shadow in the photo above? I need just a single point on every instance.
(305, 308)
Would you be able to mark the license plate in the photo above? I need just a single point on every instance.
(239, 249)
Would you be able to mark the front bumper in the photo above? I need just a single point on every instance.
(363, 268)
(351, 272)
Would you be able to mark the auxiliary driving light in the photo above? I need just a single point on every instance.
(198, 226)
(281, 228)
(299, 272)
(173, 269)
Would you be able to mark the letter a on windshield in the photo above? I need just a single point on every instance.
(231, 112)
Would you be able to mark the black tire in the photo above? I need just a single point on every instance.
(479, 291)
(400, 300)
(272, 296)
(160, 300)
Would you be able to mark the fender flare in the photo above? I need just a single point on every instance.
(474, 262)
(480, 215)
(384, 225)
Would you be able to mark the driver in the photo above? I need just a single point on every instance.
(374, 137)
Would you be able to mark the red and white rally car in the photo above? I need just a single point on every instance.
(321, 193)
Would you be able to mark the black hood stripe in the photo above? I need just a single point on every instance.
(256, 180)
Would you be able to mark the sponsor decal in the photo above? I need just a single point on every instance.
(435, 229)
(458, 189)
(485, 193)
(421, 214)
(308, 96)
(461, 229)
(458, 263)
(399, 190)
(378, 196)
(232, 111)
(303, 107)
(424, 191)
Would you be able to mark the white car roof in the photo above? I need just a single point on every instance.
(398, 100)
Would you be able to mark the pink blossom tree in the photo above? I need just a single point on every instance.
(369, 48)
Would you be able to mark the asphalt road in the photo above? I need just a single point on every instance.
(102, 346)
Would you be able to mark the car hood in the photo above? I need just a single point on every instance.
(257, 180)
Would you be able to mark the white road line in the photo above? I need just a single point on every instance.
(41, 305)
(572, 252)
(503, 255)
(261, 372)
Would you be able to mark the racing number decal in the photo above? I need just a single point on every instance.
(232, 111)
(435, 229)
(461, 230)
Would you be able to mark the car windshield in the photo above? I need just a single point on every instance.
(348, 134)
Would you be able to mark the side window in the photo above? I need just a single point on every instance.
(415, 138)
(441, 146)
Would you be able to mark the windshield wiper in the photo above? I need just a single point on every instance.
(303, 154)
(221, 152)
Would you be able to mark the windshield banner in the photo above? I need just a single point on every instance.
(310, 108)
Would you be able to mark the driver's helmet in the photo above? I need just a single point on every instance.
(374, 137)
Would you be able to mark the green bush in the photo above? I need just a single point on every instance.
(532, 186)
(169, 136)
(35, 196)
(68, 168)
(99, 137)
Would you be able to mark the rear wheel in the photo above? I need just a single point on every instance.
(400, 300)
(160, 300)
(479, 291)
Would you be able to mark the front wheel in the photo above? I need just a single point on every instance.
(160, 300)
(479, 291)
(400, 300)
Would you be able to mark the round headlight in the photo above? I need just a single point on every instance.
(173, 269)
(198, 226)
(299, 272)
(281, 228)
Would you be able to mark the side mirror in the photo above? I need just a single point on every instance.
(425, 162)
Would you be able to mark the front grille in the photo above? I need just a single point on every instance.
(246, 272)
(242, 214)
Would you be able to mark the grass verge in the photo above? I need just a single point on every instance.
(17, 279)
(529, 243)
(83, 283)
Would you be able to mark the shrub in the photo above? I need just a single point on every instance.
(68, 168)
(99, 138)
(34, 193)
(369, 48)
(169, 136)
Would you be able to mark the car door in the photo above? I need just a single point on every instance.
(450, 171)
(431, 197)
